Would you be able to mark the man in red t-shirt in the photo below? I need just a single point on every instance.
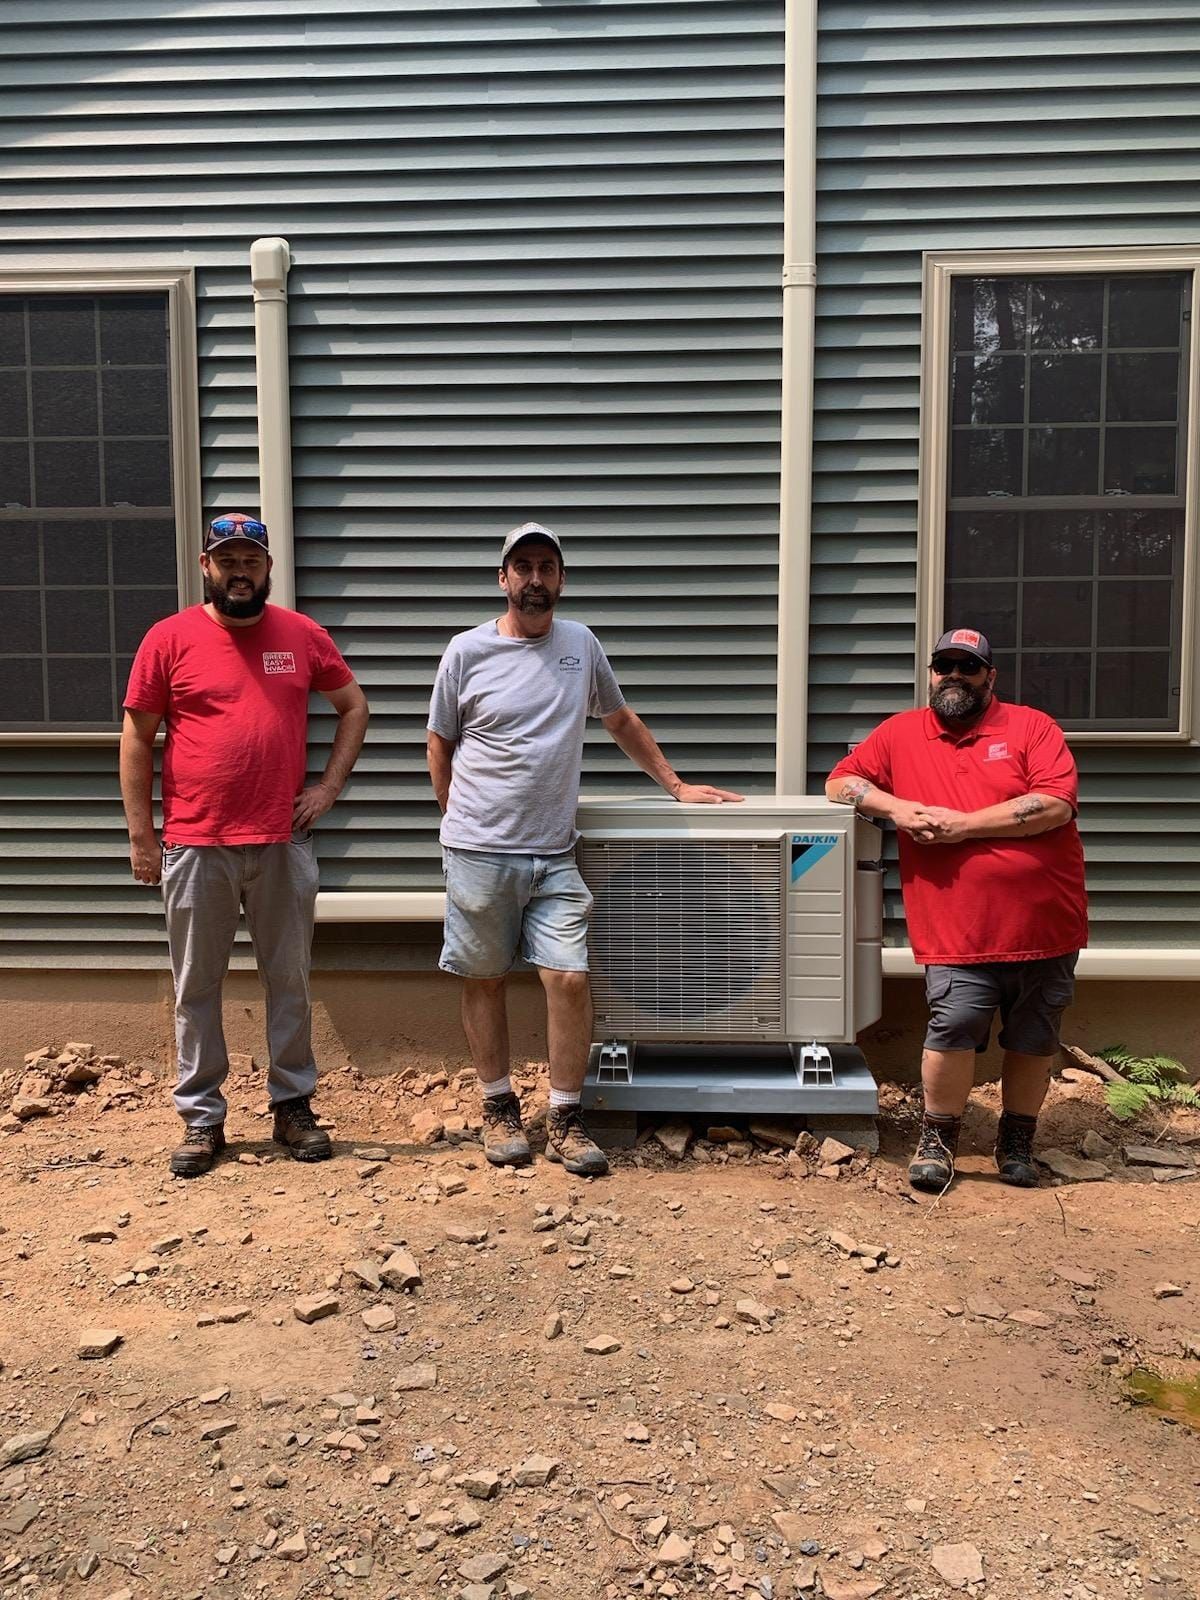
(983, 795)
(232, 679)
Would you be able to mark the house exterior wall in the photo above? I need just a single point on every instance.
(944, 127)
(537, 253)
(536, 274)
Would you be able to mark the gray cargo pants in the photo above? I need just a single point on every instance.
(204, 889)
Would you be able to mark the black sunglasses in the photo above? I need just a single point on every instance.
(945, 665)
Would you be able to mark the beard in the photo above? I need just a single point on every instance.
(956, 700)
(238, 607)
(534, 599)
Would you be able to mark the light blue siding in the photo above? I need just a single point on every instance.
(536, 275)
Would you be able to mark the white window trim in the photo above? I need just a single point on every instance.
(940, 268)
(179, 283)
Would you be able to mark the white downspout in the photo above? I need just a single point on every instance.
(796, 447)
(269, 263)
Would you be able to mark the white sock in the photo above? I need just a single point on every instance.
(497, 1086)
(561, 1098)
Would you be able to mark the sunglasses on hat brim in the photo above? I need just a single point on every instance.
(227, 528)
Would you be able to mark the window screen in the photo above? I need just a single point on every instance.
(87, 518)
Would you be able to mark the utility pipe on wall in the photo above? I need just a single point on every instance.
(269, 263)
(796, 447)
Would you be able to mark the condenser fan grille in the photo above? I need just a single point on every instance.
(686, 937)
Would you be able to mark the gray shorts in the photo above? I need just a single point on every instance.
(1031, 997)
(500, 905)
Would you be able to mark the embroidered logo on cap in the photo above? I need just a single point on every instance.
(278, 661)
(965, 636)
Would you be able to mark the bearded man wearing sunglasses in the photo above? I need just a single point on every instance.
(232, 678)
(983, 794)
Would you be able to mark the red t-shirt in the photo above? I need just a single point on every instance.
(236, 707)
(1008, 899)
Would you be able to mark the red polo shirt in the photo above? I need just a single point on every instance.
(1007, 899)
(236, 707)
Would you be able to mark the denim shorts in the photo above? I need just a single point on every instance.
(1031, 997)
(499, 906)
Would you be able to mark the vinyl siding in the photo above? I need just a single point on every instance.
(943, 127)
(536, 265)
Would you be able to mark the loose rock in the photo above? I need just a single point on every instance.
(602, 1344)
(534, 1472)
(312, 1307)
(958, 1564)
(378, 1319)
(1155, 1155)
(400, 1271)
(420, 1375)
(1073, 1168)
(96, 1343)
(674, 1138)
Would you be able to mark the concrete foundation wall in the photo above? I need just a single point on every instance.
(384, 1022)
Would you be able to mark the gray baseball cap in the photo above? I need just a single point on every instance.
(529, 533)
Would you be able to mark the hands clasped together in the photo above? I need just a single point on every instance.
(931, 824)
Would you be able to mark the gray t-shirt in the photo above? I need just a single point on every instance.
(517, 708)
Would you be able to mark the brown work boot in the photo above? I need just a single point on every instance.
(568, 1141)
(296, 1127)
(932, 1165)
(504, 1141)
(1014, 1150)
(200, 1148)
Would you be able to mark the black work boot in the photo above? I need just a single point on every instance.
(296, 1128)
(932, 1165)
(200, 1148)
(1014, 1150)
(568, 1141)
(504, 1141)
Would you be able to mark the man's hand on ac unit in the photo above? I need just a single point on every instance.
(703, 794)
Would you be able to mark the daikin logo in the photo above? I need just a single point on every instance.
(808, 849)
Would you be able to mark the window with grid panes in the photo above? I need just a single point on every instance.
(87, 518)
(1065, 533)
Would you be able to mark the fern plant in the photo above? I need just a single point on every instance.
(1144, 1081)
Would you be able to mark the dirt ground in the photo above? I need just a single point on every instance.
(774, 1415)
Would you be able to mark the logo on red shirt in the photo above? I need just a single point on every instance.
(997, 752)
(278, 661)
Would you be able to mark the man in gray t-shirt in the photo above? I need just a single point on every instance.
(505, 747)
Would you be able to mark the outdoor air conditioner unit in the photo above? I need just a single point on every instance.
(735, 952)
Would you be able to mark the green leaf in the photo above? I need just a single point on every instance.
(1115, 1054)
(1141, 1070)
(1126, 1100)
(1167, 1067)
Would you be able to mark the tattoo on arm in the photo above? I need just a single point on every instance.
(1027, 806)
(853, 790)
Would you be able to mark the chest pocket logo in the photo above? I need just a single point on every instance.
(569, 663)
(275, 661)
(997, 752)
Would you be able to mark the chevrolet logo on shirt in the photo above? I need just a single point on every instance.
(569, 663)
